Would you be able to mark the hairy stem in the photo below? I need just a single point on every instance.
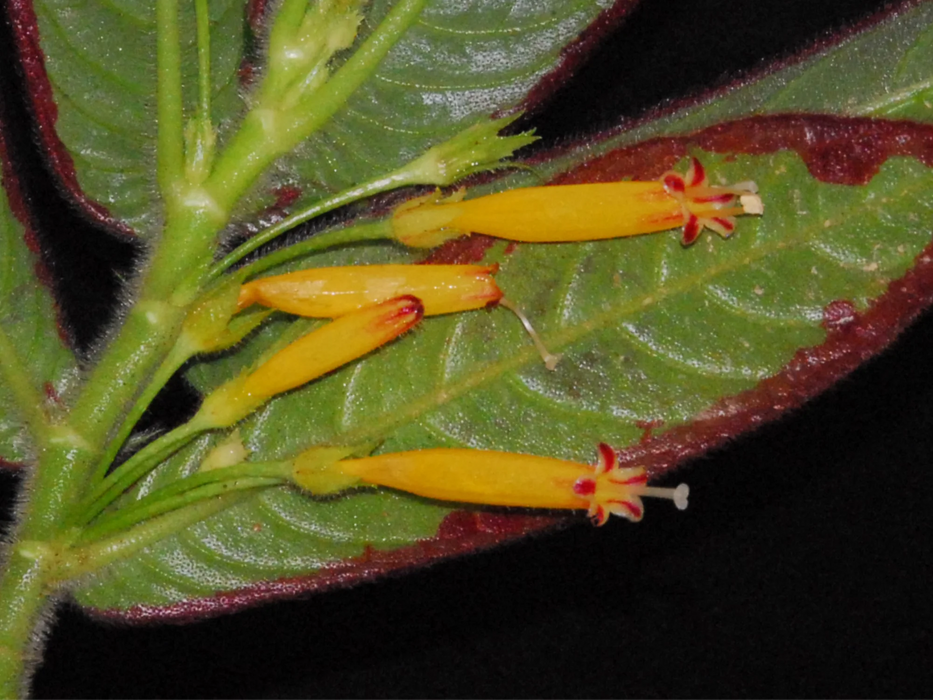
(184, 492)
(136, 466)
(377, 186)
(266, 134)
(170, 151)
(202, 11)
(373, 231)
(22, 602)
(84, 560)
(165, 372)
(195, 211)
(24, 584)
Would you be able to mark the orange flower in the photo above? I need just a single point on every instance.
(329, 292)
(496, 478)
(321, 351)
(567, 213)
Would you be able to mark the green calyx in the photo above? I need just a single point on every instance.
(476, 149)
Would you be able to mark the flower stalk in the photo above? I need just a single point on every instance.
(311, 356)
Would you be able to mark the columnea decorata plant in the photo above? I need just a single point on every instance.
(409, 326)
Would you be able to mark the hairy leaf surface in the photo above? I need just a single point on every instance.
(653, 334)
(95, 93)
(28, 317)
(657, 339)
(93, 90)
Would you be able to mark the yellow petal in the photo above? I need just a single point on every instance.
(334, 291)
(311, 356)
(588, 212)
(506, 479)
(341, 341)
(572, 212)
(474, 476)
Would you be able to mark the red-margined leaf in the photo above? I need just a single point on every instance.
(91, 75)
(668, 351)
(29, 319)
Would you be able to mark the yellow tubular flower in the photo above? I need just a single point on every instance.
(311, 356)
(499, 479)
(330, 292)
(567, 213)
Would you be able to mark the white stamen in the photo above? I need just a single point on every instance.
(550, 359)
(678, 495)
(752, 204)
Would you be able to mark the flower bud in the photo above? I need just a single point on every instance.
(476, 149)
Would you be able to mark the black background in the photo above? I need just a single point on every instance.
(801, 568)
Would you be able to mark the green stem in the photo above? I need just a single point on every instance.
(375, 231)
(289, 16)
(84, 560)
(323, 103)
(27, 398)
(368, 189)
(135, 467)
(184, 492)
(145, 339)
(171, 129)
(266, 134)
(166, 370)
(202, 12)
(194, 216)
(22, 603)
(25, 585)
(285, 26)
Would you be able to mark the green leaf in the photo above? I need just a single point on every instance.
(881, 72)
(458, 64)
(28, 318)
(653, 334)
(100, 61)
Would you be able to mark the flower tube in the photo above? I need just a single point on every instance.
(329, 292)
(588, 212)
(495, 478)
(315, 354)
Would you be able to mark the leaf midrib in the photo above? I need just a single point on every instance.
(896, 99)
(376, 429)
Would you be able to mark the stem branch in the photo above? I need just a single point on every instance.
(374, 231)
(184, 492)
(377, 186)
(170, 141)
(135, 467)
(83, 560)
